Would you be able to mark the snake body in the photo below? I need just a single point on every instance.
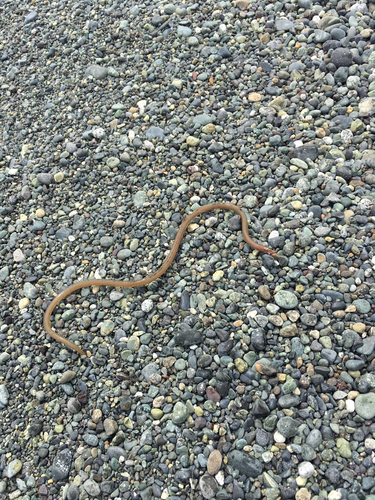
(145, 281)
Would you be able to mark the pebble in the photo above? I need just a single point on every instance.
(365, 405)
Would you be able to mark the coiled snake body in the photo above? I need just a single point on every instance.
(145, 281)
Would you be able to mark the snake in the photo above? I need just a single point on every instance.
(154, 276)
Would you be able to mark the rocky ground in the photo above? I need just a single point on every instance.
(233, 376)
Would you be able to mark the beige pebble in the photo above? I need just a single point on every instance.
(301, 481)
(40, 213)
(297, 205)
(218, 275)
(334, 495)
(59, 176)
(264, 38)
(254, 97)
(110, 426)
(96, 415)
(192, 141)
(352, 395)
(293, 316)
(366, 33)
(339, 314)
(276, 320)
(321, 258)
(359, 327)
(347, 215)
(242, 4)
(192, 227)
(303, 494)
(214, 462)
(23, 303)
(119, 223)
(209, 128)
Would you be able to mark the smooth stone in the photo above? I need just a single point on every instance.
(61, 465)
(96, 71)
(180, 413)
(12, 468)
(246, 464)
(287, 426)
(285, 299)
(139, 199)
(365, 405)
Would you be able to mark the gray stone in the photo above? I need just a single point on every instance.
(287, 427)
(314, 439)
(362, 305)
(45, 178)
(169, 8)
(63, 233)
(106, 241)
(341, 57)
(202, 119)
(246, 464)
(31, 16)
(30, 291)
(208, 486)
(285, 299)
(61, 465)
(97, 72)
(139, 199)
(284, 25)
(155, 132)
(12, 468)
(91, 487)
(149, 371)
(184, 31)
(180, 413)
(365, 405)
(4, 395)
(4, 273)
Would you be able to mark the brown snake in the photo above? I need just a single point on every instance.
(145, 281)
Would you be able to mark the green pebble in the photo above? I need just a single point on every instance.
(156, 413)
(180, 413)
(289, 386)
(68, 315)
(133, 343)
(343, 447)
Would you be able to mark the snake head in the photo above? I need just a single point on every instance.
(273, 253)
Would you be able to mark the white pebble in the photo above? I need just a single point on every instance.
(18, 255)
(279, 438)
(220, 477)
(350, 405)
(334, 495)
(98, 133)
(370, 443)
(147, 305)
(306, 469)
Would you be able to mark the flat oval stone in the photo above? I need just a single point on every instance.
(365, 405)
(285, 299)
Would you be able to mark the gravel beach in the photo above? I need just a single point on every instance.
(233, 376)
